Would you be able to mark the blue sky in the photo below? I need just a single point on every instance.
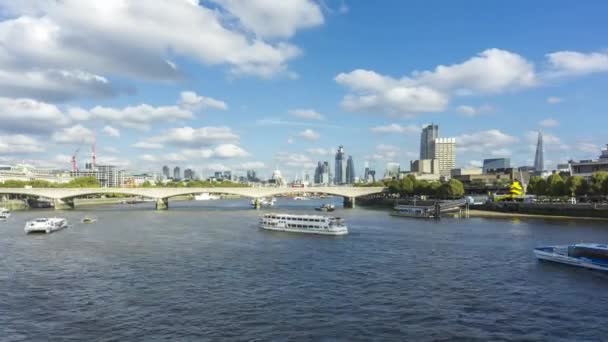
(229, 84)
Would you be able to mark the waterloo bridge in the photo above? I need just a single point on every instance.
(63, 198)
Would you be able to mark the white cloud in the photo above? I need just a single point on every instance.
(309, 134)
(295, 160)
(226, 151)
(549, 122)
(61, 49)
(307, 114)
(588, 148)
(111, 131)
(320, 151)
(192, 101)
(550, 142)
(77, 134)
(396, 128)
(202, 136)
(267, 19)
(138, 117)
(290, 140)
(27, 115)
(475, 163)
(554, 99)
(222, 151)
(19, 143)
(147, 145)
(251, 165)
(566, 63)
(484, 141)
(472, 111)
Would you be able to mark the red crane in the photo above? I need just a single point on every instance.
(74, 167)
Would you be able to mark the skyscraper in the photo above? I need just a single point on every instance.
(444, 150)
(166, 172)
(350, 170)
(177, 173)
(427, 141)
(539, 159)
(189, 174)
(340, 174)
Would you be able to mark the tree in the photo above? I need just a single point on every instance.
(537, 186)
(452, 189)
(83, 182)
(146, 184)
(573, 185)
(598, 181)
(406, 186)
(434, 188)
(394, 186)
(555, 185)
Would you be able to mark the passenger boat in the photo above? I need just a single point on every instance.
(588, 255)
(264, 202)
(4, 213)
(89, 220)
(45, 225)
(311, 224)
(300, 198)
(206, 197)
(326, 207)
(413, 211)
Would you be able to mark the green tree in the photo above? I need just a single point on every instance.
(434, 188)
(598, 183)
(452, 189)
(406, 186)
(573, 185)
(556, 185)
(394, 186)
(146, 184)
(537, 186)
(83, 182)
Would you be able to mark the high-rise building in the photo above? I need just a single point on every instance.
(539, 158)
(427, 141)
(166, 172)
(189, 174)
(228, 175)
(350, 170)
(340, 167)
(444, 151)
(177, 173)
(392, 170)
(106, 175)
(322, 174)
(252, 176)
(369, 175)
(496, 164)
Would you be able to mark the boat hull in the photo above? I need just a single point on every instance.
(547, 255)
(342, 231)
(40, 230)
(411, 215)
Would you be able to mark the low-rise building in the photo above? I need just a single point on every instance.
(586, 168)
(494, 177)
(108, 176)
(428, 166)
(28, 173)
(464, 171)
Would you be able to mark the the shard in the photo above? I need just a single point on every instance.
(539, 159)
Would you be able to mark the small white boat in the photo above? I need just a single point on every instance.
(45, 225)
(4, 213)
(588, 255)
(206, 197)
(311, 224)
(264, 202)
(326, 207)
(300, 198)
(89, 219)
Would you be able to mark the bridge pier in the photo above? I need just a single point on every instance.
(349, 202)
(162, 203)
(63, 204)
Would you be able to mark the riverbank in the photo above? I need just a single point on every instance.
(498, 214)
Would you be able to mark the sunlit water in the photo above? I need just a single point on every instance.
(204, 271)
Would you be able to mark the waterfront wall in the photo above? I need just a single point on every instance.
(552, 209)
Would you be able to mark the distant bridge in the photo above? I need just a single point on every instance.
(63, 198)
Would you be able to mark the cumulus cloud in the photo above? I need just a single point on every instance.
(19, 143)
(202, 136)
(307, 114)
(309, 134)
(396, 128)
(320, 151)
(111, 131)
(484, 141)
(138, 117)
(554, 99)
(472, 111)
(294, 160)
(193, 101)
(266, 19)
(28, 115)
(549, 122)
(76, 134)
(62, 49)
(566, 63)
(147, 145)
(222, 151)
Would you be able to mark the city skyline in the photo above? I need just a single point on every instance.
(286, 92)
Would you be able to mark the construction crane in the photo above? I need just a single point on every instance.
(74, 167)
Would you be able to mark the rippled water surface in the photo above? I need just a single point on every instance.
(204, 271)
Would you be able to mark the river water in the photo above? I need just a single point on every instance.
(204, 271)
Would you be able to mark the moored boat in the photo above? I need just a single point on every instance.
(89, 219)
(45, 225)
(311, 224)
(205, 196)
(326, 207)
(264, 202)
(4, 213)
(413, 211)
(587, 255)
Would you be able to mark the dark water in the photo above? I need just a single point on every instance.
(203, 271)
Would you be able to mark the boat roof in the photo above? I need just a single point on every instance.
(593, 245)
(296, 215)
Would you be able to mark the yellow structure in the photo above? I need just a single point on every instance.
(516, 192)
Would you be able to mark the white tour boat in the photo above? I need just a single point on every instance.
(205, 196)
(587, 255)
(45, 225)
(4, 213)
(313, 224)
